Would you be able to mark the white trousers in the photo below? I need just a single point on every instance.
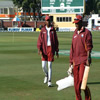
(47, 71)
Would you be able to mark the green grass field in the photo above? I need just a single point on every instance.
(21, 75)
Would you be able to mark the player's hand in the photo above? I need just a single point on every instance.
(70, 70)
(57, 55)
(88, 62)
(39, 52)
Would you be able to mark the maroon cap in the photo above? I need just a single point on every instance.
(47, 18)
(77, 19)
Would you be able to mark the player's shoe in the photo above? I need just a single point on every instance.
(49, 84)
(45, 80)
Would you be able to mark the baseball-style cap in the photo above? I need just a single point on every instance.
(47, 18)
(77, 19)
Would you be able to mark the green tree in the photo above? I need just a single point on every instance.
(27, 5)
(36, 6)
(98, 7)
(92, 6)
(33, 5)
(39, 7)
(18, 3)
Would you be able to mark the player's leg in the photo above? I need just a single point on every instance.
(50, 59)
(49, 73)
(44, 67)
(77, 83)
(87, 93)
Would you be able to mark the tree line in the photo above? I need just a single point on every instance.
(28, 6)
(91, 6)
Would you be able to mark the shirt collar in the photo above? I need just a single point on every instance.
(50, 29)
(81, 30)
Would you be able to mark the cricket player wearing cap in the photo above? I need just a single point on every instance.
(47, 45)
(80, 56)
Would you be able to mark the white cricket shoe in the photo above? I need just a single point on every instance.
(49, 84)
(45, 80)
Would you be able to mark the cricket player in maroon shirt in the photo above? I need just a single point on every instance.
(47, 46)
(80, 56)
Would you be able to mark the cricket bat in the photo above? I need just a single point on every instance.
(85, 77)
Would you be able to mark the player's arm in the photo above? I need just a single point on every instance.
(70, 70)
(71, 54)
(39, 43)
(89, 48)
(56, 44)
(88, 62)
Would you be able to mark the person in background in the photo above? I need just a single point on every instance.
(25, 25)
(80, 56)
(47, 45)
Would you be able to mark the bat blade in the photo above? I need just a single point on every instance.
(85, 77)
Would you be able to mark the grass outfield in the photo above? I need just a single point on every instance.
(21, 76)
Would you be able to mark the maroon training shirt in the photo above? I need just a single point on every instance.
(81, 43)
(42, 41)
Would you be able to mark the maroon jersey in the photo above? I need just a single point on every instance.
(81, 43)
(42, 41)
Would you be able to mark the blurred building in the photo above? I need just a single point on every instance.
(94, 22)
(7, 10)
(63, 20)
